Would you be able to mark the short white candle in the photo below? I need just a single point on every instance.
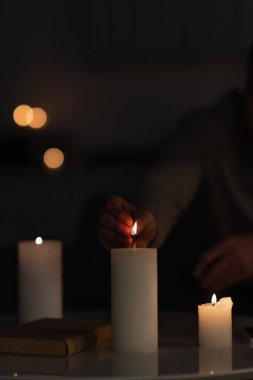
(215, 323)
(40, 279)
(134, 300)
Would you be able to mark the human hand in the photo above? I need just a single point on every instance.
(226, 264)
(116, 220)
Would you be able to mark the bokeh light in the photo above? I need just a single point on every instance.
(53, 158)
(37, 117)
(23, 115)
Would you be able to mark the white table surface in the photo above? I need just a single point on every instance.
(179, 357)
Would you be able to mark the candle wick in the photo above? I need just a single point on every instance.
(134, 237)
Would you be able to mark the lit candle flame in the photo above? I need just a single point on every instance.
(134, 229)
(134, 234)
(214, 299)
(38, 240)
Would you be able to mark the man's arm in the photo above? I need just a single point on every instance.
(226, 264)
(174, 179)
(167, 193)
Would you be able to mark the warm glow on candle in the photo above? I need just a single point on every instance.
(38, 240)
(37, 117)
(214, 299)
(22, 115)
(53, 158)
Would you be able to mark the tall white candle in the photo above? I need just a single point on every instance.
(215, 323)
(134, 300)
(40, 279)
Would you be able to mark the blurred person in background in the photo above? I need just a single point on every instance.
(207, 159)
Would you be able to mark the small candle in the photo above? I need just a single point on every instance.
(40, 279)
(134, 300)
(215, 323)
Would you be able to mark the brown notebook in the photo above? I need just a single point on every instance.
(54, 337)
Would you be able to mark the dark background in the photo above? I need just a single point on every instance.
(113, 77)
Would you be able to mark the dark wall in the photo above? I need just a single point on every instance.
(113, 76)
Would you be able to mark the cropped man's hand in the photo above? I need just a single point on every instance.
(226, 264)
(116, 220)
